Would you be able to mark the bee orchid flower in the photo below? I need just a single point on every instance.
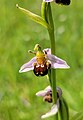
(47, 96)
(43, 61)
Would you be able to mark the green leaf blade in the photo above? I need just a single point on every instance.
(34, 17)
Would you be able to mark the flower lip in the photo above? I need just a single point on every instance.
(62, 2)
(41, 69)
(48, 97)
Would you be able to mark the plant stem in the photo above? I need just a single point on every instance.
(53, 71)
(46, 8)
(52, 40)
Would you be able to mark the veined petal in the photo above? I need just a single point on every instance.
(53, 110)
(44, 92)
(57, 62)
(41, 93)
(58, 65)
(28, 66)
(48, 88)
(48, 0)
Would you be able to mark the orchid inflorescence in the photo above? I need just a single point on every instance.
(44, 61)
(40, 64)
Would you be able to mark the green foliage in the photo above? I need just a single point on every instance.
(64, 112)
(78, 116)
(34, 17)
(17, 35)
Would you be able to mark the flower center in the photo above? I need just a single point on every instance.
(41, 69)
(42, 65)
(48, 97)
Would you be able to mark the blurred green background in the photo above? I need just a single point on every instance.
(18, 34)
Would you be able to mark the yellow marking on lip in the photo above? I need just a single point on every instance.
(37, 73)
(41, 72)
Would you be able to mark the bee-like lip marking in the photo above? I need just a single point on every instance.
(63, 2)
(42, 66)
(37, 66)
(41, 69)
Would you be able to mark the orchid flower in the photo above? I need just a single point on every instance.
(43, 61)
(63, 2)
(47, 96)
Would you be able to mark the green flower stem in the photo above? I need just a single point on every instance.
(53, 72)
(52, 40)
(46, 10)
(49, 75)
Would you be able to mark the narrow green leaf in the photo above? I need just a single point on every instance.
(34, 17)
(64, 112)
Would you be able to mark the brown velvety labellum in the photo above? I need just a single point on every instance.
(41, 69)
(63, 2)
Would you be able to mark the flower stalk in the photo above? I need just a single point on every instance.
(48, 15)
(46, 10)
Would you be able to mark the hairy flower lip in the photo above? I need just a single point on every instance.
(59, 1)
(55, 62)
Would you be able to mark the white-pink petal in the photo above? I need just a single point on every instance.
(57, 65)
(44, 92)
(48, 88)
(53, 110)
(47, 0)
(57, 62)
(48, 50)
(28, 66)
(41, 93)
